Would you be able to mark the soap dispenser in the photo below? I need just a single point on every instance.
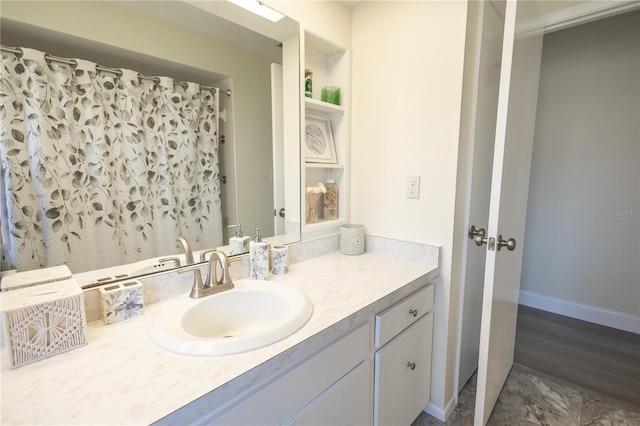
(238, 244)
(258, 258)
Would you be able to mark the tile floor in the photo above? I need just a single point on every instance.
(533, 398)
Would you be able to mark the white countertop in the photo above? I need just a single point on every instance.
(122, 377)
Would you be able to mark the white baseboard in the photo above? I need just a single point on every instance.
(439, 413)
(593, 314)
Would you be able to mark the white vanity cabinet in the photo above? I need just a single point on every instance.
(402, 378)
(378, 372)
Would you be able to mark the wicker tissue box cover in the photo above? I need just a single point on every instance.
(43, 320)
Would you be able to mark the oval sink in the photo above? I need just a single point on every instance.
(251, 315)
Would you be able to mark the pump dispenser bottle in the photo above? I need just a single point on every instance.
(238, 244)
(258, 258)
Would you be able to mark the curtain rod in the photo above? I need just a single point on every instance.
(51, 58)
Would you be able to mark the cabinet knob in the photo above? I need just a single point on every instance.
(413, 312)
(411, 365)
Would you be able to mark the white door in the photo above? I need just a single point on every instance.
(277, 126)
(517, 101)
(486, 81)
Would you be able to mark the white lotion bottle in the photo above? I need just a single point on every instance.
(238, 244)
(258, 258)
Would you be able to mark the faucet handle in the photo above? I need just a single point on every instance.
(197, 280)
(175, 260)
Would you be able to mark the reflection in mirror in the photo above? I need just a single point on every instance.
(191, 167)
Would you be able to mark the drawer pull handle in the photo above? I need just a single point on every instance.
(411, 365)
(413, 312)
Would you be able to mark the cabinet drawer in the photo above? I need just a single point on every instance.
(393, 320)
(402, 376)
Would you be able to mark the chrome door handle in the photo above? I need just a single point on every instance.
(473, 232)
(490, 242)
(480, 240)
(478, 235)
(510, 244)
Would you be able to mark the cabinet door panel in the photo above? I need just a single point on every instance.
(276, 401)
(403, 375)
(347, 402)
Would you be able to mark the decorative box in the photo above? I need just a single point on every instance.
(121, 301)
(43, 320)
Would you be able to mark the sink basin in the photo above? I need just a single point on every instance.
(252, 315)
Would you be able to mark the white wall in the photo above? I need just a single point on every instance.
(407, 66)
(330, 19)
(583, 227)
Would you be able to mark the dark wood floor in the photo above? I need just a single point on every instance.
(598, 358)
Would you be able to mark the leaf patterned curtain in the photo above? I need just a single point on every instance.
(100, 170)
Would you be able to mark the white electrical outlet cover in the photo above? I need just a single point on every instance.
(413, 186)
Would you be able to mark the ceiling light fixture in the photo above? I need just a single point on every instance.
(259, 8)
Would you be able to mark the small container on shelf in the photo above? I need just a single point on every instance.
(330, 94)
(308, 83)
(330, 211)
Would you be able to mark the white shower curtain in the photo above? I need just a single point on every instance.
(99, 169)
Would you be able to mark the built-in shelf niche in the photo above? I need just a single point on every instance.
(330, 64)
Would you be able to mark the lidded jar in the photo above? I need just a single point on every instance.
(330, 200)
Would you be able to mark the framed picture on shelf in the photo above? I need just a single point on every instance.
(318, 139)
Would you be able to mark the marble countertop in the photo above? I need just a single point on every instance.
(122, 377)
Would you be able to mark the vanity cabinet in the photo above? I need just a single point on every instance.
(379, 372)
(330, 64)
(402, 380)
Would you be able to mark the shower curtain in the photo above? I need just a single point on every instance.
(100, 169)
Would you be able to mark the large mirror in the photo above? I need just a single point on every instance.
(252, 61)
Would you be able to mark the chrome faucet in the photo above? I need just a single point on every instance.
(211, 285)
